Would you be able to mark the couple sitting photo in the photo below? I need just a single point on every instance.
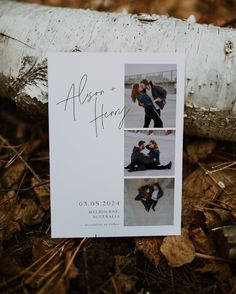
(141, 161)
(149, 195)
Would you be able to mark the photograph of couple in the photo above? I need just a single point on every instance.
(149, 153)
(148, 201)
(150, 95)
(149, 196)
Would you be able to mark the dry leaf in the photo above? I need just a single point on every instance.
(225, 216)
(41, 246)
(58, 287)
(203, 243)
(73, 271)
(222, 270)
(42, 192)
(199, 189)
(199, 149)
(209, 218)
(13, 174)
(125, 283)
(28, 212)
(8, 227)
(178, 250)
(125, 267)
(9, 266)
(150, 247)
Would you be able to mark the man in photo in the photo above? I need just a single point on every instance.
(139, 94)
(140, 161)
(158, 96)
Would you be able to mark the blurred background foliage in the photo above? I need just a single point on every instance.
(217, 12)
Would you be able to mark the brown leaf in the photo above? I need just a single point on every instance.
(13, 174)
(199, 149)
(12, 228)
(203, 243)
(42, 192)
(199, 189)
(28, 212)
(31, 146)
(229, 203)
(208, 218)
(178, 250)
(225, 215)
(221, 270)
(59, 286)
(125, 283)
(9, 266)
(8, 227)
(125, 267)
(73, 271)
(150, 247)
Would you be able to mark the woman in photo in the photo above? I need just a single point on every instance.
(145, 101)
(154, 151)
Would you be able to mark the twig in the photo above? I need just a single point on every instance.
(43, 265)
(21, 158)
(219, 206)
(216, 258)
(214, 180)
(172, 281)
(28, 188)
(86, 270)
(113, 282)
(233, 290)
(49, 281)
(73, 257)
(21, 182)
(220, 169)
(48, 228)
(110, 279)
(14, 157)
(2, 285)
(49, 273)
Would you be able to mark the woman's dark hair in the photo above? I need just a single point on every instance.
(135, 92)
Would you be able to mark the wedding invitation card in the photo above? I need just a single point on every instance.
(116, 132)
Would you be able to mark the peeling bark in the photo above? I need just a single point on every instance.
(28, 31)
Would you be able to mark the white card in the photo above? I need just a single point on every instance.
(94, 126)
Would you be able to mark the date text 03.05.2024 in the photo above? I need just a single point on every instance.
(101, 203)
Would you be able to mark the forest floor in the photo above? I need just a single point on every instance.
(32, 262)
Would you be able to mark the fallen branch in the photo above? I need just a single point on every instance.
(28, 32)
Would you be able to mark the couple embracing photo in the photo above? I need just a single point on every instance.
(140, 161)
(152, 99)
(149, 152)
(150, 95)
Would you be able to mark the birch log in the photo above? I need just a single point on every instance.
(28, 31)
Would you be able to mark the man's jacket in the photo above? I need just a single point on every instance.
(158, 92)
(137, 157)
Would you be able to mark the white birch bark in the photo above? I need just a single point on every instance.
(29, 31)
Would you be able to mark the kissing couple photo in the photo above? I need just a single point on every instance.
(152, 101)
(150, 95)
